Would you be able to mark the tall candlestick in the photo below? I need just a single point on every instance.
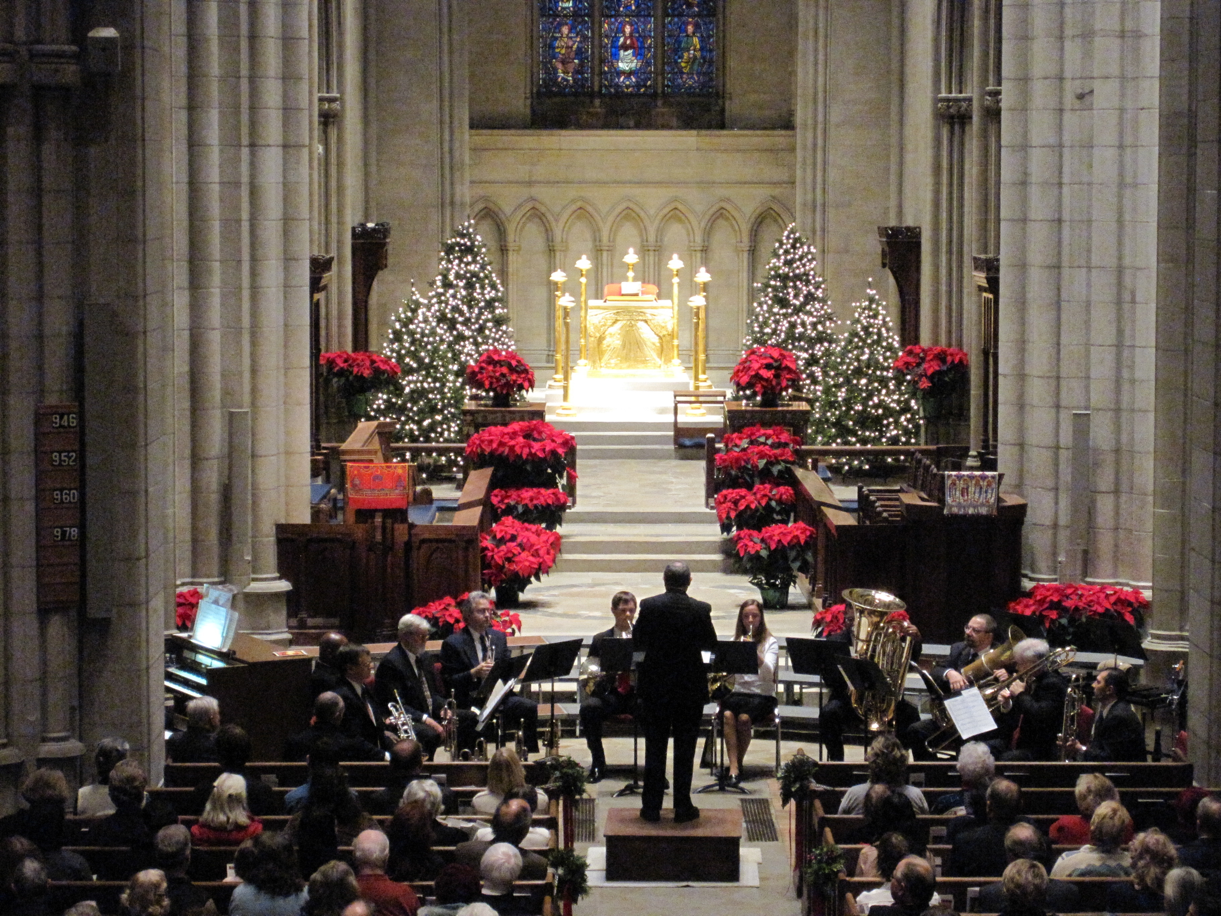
(583, 266)
(557, 380)
(700, 381)
(696, 303)
(566, 409)
(675, 266)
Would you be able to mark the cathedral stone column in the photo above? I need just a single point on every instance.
(810, 118)
(1078, 252)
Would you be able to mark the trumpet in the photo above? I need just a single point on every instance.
(450, 716)
(403, 726)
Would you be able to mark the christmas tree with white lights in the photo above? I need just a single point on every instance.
(468, 298)
(426, 399)
(869, 404)
(793, 312)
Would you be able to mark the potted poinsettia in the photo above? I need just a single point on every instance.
(773, 558)
(768, 373)
(830, 621)
(938, 376)
(537, 505)
(514, 553)
(358, 377)
(186, 608)
(1097, 618)
(758, 507)
(502, 374)
(532, 453)
(771, 436)
(753, 465)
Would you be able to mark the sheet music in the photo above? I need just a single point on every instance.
(970, 713)
(494, 698)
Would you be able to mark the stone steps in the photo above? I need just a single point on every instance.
(637, 563)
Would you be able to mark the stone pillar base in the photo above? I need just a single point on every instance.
(264, 608)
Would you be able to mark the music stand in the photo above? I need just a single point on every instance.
(821, 657)
(549, 661)
(617, 656)
(499, 684)
(729, 657)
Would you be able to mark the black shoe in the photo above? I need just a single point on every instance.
(681, 816)
(595, 774)
(653, 816)
(734, 780)
(665, 785)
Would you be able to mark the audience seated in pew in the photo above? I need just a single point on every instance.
(198, 743)
(1153, 857)
(172, 854)
(1025, 841)
(1024, 886)
(331, 888)
(887, 760)
(27, 890)
(1181, 887)
(892, 811)
(498, 869)
(94, 800)
(146, 894)
(1074, 829)
(225, 820)
(976, 770)
(84, 908)
(406, 766)
(327, 727)
(1186, 806)
(371, 854)
(892, 848)
(912, 886)
(538, 837)
(45, 791)
(429, 792)
(980, 851)
(270, 884)
(1204, 852)
(1104, 856)
(510, 824)
(412, 857)
(505, 772)
(456, 886)
(132, 826)
(233, 754)
(328, 794)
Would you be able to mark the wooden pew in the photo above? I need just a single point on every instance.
(1092, 891)
(943, 774)
(293, 773)
(939, 853)
(1043, 800)
(846, 827)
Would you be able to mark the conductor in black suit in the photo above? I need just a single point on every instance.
(611, 694)
(1117, 735)
(672, 683)
(363, 716)
(467, 658)
(408, 671)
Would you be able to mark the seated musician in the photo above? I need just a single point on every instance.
(754, 695)
(1117, 734)
(837, 712)
(611, 694)
(467, 658)
(363, 716)
(978, 637)
(1033, 706)
(407, 676)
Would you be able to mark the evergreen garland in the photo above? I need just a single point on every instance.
(792, 312)
(868, 404)
(468, 298)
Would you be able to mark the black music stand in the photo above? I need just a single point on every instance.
(821, 657)
(729, 657)
(549, 661)
(505, 671)
(864, 676)
(617, 656)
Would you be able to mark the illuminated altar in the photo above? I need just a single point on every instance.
(630, 331)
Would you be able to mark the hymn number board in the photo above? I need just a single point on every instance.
(59, 505)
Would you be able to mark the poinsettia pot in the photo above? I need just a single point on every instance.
(775, 597)
(507, 596)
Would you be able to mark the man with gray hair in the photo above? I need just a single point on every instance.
(1033, 706)
(467, 658)
(370, 853)
(430, 793)
(498, 869)
(1025, 841)
(198, 743)
(327, 728)
(172, 854)
(407, 675)
(976, 770)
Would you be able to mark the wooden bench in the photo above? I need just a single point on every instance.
(294, 773)
(1092, 891)
(938, 853)
(937, 775)
(1045, 800)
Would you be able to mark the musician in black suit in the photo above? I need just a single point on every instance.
(326, 674)
(978, 637)
(408, 672)
(1033, 706)
(467, 658)
(672, 683)
(363, 716)
(611, 694)
(1117, 734)
(327, 726)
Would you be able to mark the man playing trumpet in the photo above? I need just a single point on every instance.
(610, 694)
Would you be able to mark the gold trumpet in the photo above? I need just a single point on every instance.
(450, 715)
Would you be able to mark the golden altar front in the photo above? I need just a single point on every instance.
(630, 332)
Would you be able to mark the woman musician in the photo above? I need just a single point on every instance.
(754, 695)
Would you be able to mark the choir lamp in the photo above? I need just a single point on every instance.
(675, 266)
(557, 380)
(566, 409)
(697, 307)
(700, 381)
(583, 266)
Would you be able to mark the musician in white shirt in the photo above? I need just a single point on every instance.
(754, 695)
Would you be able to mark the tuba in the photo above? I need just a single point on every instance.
(880, 639)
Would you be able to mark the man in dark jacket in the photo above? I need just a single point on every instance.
(1033, 706)
(327, 727)
(1204, 853)
(672, 683)
(611, 694)
(1024, 841)
(912, 886)
(172, 854)
(978, 637)
(407, 675)
(363, 716)
(1117, 734)
(510, 824)
(980, 852)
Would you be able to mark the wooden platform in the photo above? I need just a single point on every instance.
(701, 850)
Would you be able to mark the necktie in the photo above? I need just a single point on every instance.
(484, 642)
(423, 683)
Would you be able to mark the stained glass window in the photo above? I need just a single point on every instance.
(690, 50)
(627, 53)
(564, 48)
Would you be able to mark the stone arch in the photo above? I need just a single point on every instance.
(527, 210)
(677, 211)
(575, 211)
(727, 210)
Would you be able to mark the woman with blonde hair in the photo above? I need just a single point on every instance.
(505, 773)
(226, 820)
(754, 695)
(1153, 857)
(1074, 829)
(1104, 856)
(1024, 889)
(146, 894)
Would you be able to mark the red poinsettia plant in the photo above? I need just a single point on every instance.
(769, 372)
(754, 464)
(514, 553)
(445, 615)
(756, 508)
(357, 377)
(933, 372)
(501, 373)
(536, 505)
(532, 453)
(830, 621)
(187, 608)
(1064, 609)
(774, 556)
(771, 436)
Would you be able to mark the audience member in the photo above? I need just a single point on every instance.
(538, 837)
(327, 728)
(887, 760)
(329, 793)
(406, 763)
(412, 857)
(371, 854)
(146, 894)
(505, 772)
(1024, 886)
(226, 821)
(477, 909)
(28, 890)
(498, 869)
(1024, 841)
(1182, 885)
(976, 770)
(316, 840)
(429, 792)
(1204, 852)
(510, 824)
(331, 888)
(1104, 856)
(271, 885)
(233, 752)
(198, 743)
(1153, 857)
(893, 813)
(94, 800)
(455, 887)
(912, 886)
(129, 827)
(326, 673)
(892, 849)
(84, 908)
(45, 791)
(980, 852)
(172, 854)
(1074, 829)
(358, 908)
(1186, 804)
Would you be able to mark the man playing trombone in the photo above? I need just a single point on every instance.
(1032, 705)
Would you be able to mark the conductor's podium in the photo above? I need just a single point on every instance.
(705, 849)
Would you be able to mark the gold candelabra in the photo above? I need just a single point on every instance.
(699, 379)
(675, 266)
(583, 266)
(566, 303)
(557, 380)
(630, 259)
(697, 308)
